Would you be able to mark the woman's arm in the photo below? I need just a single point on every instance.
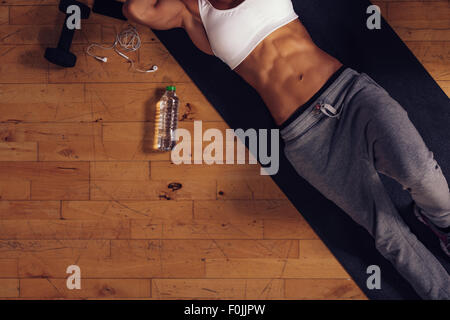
(167, 14)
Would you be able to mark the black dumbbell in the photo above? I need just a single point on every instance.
(61, 55)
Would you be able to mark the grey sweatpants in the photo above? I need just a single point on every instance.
(340, 143)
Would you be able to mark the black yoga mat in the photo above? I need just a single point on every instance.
(338, 27)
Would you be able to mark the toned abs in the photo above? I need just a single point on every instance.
(287, 69)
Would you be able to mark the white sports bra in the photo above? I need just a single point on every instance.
(234, 33)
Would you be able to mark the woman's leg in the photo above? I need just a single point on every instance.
(401, 153)
(336, 156)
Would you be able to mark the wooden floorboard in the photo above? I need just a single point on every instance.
(80, 185)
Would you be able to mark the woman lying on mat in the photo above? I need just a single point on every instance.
(339, 126)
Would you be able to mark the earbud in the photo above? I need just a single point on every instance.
(103, 59)
(153, 69)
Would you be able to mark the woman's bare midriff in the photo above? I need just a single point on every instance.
(287, 69)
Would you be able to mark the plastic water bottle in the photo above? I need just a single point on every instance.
(166, 120)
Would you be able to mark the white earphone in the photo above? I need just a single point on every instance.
(129, 41)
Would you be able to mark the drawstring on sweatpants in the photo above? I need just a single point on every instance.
(327, 110)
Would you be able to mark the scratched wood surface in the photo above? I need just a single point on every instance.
(80, 185)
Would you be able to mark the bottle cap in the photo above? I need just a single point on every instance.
(170, 88)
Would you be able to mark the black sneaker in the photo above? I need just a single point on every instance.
(444, 238)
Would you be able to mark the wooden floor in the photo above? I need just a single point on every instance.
(79, 185)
